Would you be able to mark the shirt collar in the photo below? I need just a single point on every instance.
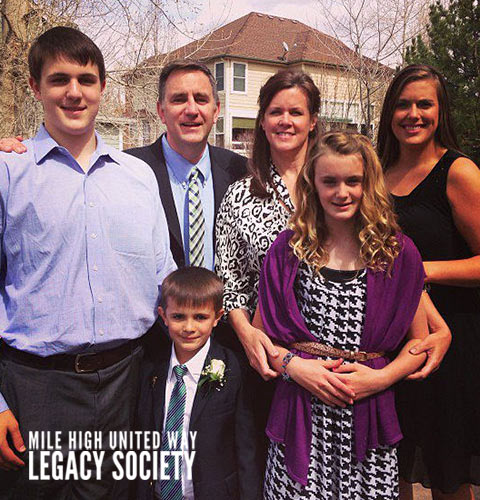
(194, 365)
(44, 144)
(279, 188)
(180, 167)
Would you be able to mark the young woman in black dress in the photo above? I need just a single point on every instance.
(436, 191)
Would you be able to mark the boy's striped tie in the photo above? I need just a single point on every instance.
(172, 489)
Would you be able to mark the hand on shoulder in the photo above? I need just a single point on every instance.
(12, 145)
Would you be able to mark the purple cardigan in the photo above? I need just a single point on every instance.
(391, 304)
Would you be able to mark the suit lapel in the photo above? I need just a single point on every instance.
(221, 179)
(203, 393)
(166, 195)
(158, 382)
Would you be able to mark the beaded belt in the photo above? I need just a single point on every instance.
(317, 349)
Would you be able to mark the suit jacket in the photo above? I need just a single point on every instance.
(227, 167)
(227, 463)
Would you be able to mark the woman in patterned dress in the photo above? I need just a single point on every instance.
(255, 209)
(436, 192)
(343, 283)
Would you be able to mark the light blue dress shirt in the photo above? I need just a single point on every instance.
(179, 170)
(83, 254)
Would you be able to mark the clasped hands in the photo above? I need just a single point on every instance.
(333, 382)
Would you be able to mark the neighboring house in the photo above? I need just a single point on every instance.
(243, 54)
(112, 130)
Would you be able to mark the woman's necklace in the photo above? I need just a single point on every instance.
(338, 274)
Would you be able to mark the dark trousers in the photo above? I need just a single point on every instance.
(53, 400)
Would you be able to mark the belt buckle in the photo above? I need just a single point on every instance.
(362, 356)
(78, 359)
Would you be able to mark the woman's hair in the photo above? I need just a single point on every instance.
(259, 164)
(375, 222)
(387, 144)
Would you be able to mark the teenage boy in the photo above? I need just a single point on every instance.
(84, 249)
(198, 388)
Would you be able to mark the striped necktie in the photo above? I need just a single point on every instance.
(172, 489)
(196, 222)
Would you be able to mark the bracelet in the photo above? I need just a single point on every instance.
(286, 359)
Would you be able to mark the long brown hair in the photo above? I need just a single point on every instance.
(387, 144)
(375, 223)
(259, 164)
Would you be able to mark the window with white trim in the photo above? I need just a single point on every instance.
(220, 76)
(239, 77)
(220, 132)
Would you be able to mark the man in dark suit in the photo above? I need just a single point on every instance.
(188, 105)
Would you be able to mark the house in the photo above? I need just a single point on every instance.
(244, 53)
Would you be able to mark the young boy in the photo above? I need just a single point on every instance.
(198, 389)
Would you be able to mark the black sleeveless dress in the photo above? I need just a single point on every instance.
(440, 417)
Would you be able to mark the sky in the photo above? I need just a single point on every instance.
(215, 13)
(302, 10)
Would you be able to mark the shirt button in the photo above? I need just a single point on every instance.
(95, 267)
(93, 235)
(91, 204)
(184, 185)
(101, 332)
(100, 299)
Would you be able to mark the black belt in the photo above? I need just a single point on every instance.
(87, 362)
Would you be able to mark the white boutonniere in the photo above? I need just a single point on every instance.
(214, 374)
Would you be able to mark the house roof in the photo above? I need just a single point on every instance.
(262, 37)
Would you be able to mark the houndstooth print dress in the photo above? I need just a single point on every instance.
(333, 307)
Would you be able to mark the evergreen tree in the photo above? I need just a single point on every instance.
(452, 45)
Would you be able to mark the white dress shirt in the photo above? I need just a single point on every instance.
(191, 378)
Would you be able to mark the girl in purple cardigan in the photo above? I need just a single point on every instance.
(338, 294)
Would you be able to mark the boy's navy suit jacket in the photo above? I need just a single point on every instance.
(227, 463)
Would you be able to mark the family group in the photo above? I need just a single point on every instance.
(318, 303)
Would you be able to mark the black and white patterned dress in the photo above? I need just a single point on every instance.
(246, 227)
(333, 307)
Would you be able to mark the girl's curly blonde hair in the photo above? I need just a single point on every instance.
(376, 224)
